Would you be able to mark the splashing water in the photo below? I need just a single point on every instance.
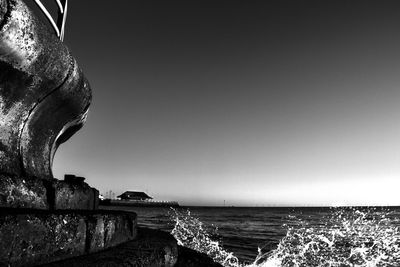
(190, 232)
(346, 237)
(349, 237)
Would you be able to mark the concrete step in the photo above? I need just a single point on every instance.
(30, 237)
(34, 193)
(150, 248)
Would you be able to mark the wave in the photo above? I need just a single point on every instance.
(343, 237)
(190, 232)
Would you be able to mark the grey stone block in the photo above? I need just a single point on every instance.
(70, 195)
(109, 229)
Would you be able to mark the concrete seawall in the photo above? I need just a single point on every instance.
(67, 238)
(44, 100)
(150, 248)
(31, 237)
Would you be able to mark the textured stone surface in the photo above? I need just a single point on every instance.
(25, 239)
(108, 230)
(44, 96)
(18, 192)
(3, 10)
(29, 192)
(151, 248)
(190, 258)
(29, 238)
(70, 195)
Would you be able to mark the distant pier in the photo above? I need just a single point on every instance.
(137, 199)
(139, 203)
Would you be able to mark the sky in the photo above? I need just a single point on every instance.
(255, 103)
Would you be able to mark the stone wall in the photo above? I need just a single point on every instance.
(31, 237)
(24, 192)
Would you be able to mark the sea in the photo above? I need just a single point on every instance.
(284, 236)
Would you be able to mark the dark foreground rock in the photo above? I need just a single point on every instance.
(151, 248)
(191, 258)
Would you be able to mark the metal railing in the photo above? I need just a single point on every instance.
(59, 26)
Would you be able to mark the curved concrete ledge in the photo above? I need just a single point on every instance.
(150, 248)
(32, 237)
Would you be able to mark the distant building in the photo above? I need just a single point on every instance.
(134, 195)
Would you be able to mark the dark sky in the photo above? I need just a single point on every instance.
(252, 102)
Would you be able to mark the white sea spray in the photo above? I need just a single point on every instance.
(346, 237)
(350, 237)
(190, 232)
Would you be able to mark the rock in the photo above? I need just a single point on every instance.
(191, 258)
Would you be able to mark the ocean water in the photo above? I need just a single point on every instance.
(272, 237)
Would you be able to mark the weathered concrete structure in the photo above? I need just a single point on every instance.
(44, 99)
(28, 192)
(32, 237)
(44, 96)
(150, 248)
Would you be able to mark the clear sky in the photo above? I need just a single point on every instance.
(251, 102)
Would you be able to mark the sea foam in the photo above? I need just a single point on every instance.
(345, 237)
